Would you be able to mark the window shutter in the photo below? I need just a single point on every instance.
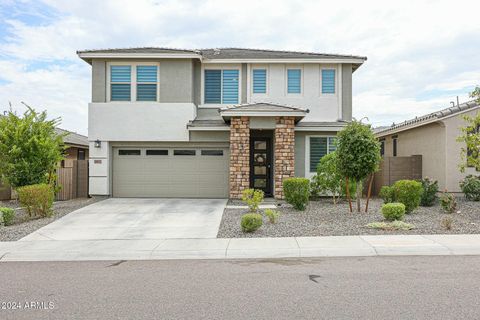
(147, 78)
(294, 80)
(318, 148)
(213, 89)
(328, 81)
(230, 87)
(259, 81)
(120, 87)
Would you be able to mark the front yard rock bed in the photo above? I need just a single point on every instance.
(323, 218)
(23, 226)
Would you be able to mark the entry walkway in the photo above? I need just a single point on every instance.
(383, 245)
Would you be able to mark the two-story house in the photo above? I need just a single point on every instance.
(210, 123)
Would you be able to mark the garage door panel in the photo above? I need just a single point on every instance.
(169, 175)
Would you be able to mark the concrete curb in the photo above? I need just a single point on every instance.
(240, 248)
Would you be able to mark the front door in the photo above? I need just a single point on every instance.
(261, 164)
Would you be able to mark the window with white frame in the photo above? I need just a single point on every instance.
(221, 86)
(328, 81)
(133, 82)
(259, 76)
(294, 81)
(319, 146)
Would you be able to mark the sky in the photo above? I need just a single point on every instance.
(421, 54)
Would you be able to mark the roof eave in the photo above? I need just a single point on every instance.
(88, 56)
(355, 61)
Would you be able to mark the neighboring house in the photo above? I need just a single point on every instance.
(433, 136)
(211, 123)
(77, 145)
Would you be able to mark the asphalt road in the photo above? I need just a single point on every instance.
(444, 287)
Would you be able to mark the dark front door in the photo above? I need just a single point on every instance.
(261, 164)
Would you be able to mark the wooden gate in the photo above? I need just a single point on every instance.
(73, 180)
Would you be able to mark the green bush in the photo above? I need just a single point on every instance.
(8, 214)
(430, 190)
(393, 211)
(448, 202)
(297, 192)
(387, 193)
(252, 198)
(272, 215)
(1, 220)
(471, 187)
(389, 226)
(37, 199)
(251, 222)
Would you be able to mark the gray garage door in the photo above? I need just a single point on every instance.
(170, 172)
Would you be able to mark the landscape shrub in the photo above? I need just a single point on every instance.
(1, 220)
(393, 211)
(471, 187)
(430, 190)
(447, 223)
(328, 179)
(7, 214)
(252, 198)
(251, 222)
(296, 192)
(387, 194)
(408, 192)
(389, 226)
(272, 215)
(37, 199)
(448, 202)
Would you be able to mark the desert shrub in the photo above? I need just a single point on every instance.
(448, 202)
(251, 222)
(37, 199)
(389, 226)
(471, 187)
(429, 195)
(387, 194)
(296, 192)
(7, 214)
(393, 211)
(408, 192)
(272, 215)
(252, 198)
(447, 223)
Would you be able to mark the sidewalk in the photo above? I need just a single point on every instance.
(238, 248)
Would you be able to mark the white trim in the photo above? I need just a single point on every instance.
(309, 174)
(208, 128)
(220, 67)
(90, 55)
(133, 80)
(320, 129)
(339, 91)
(287, 61)
(302, 75)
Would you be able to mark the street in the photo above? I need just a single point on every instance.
(422, 287)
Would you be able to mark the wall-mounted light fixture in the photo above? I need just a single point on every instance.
(98, 143)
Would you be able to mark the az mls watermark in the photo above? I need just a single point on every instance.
(27, 305)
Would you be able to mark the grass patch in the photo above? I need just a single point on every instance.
(394, 225)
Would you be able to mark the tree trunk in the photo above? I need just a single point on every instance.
(359, 196)
(348, 194)
(369, 192)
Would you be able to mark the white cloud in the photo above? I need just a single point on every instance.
(420, 53)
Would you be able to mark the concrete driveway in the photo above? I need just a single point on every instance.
(119, 218)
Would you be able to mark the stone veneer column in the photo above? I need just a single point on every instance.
(239, 156)
(284, 152)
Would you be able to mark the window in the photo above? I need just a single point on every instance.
(120, 83)
(259, 81)
(328, 81)
(394, 140)
(183, 152)
(382, 147)
(157, 152)
(81, 154)
(130, 152)
(212, 152)
(320, 146)
(221, 86)
(294, 81)
(147, 83)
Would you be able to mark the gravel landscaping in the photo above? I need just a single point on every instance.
(22, 226)
(322, 218)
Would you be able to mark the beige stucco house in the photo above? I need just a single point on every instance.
(433, 136)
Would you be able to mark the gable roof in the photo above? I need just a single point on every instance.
(263, 109)
(222, 55)
(428, 118)
(73, 138)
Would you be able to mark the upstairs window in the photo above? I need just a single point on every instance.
(328, 81)
(147, 78)
(294, 80)
(319, 147)
(382, 147)
(221, 86)
(120, 83)
(259, 81)
(395, 142)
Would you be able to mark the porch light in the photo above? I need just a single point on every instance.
(98, 143)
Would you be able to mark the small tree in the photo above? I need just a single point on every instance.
(328, 178)
(470, 138)
(358, 153)
(30, 149)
